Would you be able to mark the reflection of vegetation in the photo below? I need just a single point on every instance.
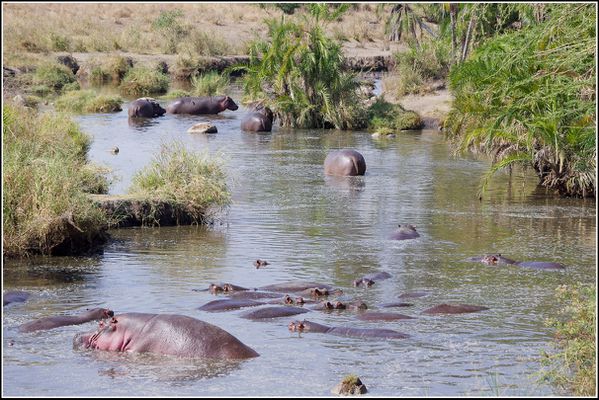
(574, 366)
(528, 98)
(45, 180)
(298, 72)
(188, 181)
(87, 101)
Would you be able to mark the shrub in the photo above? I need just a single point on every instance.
(191, 182)
(54, 76)
(45, 179)
(142, 81)
(88, 101)
(209, 84)
(384, 117)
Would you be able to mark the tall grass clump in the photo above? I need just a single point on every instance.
(385, 117)
(190, 182)
(209, 84)
(420, 67)
(87, 101)
(53, 76)
(528, 98)
(298, 72)
(171, 29)
(46, 179)
(143, 81)
(573, 364)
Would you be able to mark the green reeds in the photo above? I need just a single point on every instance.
(87, 101)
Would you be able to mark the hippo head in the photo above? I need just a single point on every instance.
(100, 313)
(296, 326)
(157, 109)
(229, 104)
(319, 292)
(105, 338)
(214, 289)
(287, 299)
(491, 259)
(339, 306)
(363, 282)
(406, 227)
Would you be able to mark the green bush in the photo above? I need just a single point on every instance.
(419, 67)
(88, 101)
(45, 180)
(209, 84)
(171, 28)
(188, 181)
(53, 76)
(384, 118)
(143, 81)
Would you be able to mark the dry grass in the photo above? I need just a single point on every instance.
(95, 27)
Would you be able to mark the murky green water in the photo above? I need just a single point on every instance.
(320, 229)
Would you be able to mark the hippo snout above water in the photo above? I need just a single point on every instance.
(405, 231)
(499, 260)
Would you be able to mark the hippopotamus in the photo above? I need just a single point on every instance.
(288, 300)
(201, 105)
(62, 320)
(370, 279)
(169, 334)
(308, 326)
(344, 163)
(258, 119)
(251, 294)
(413, 295)
(382, 316)
(273, 312)
(14, 296)
(405, 231)
(225, 287)
(228, 304)
(320, 292)
(498, 259)
(260, 263)
(337, 305)
(396, 304)
(294, 286)
(453, 309)
(145, 107)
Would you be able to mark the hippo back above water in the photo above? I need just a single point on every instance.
(201, 105)
(145, 107)
(344, 163)
(258, 119)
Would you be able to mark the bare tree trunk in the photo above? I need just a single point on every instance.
(453, 10)
(467, 39)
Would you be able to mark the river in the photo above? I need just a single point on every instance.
(308, 227)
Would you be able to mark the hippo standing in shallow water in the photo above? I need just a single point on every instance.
(258, 119)
(405, 231)
(169, 334)
(344, 163)
(145, 107)
(201, 105)
(307, 326)
(63, 320)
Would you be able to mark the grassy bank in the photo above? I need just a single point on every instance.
(190, 183)
(572, 365)
(46, 178)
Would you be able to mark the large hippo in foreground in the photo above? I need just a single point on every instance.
(258, 119)
(94, 314)
(168, 334)
(344, 163)
(201, 105)
(145, 107)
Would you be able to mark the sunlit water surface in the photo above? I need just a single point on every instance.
(308, 227)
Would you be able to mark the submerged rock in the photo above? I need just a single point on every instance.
(203, 127)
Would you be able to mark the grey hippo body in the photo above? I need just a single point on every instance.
(168, 334)
(14, 296)
(258, 119)
(499, 260)
(370, 279)
(273, 312)
(344, 163)
(308, 326)
(94, 314)
(405, 231)
(229, 304)
(453, 309)
(201, 105)
(145, 107)
(382, 316)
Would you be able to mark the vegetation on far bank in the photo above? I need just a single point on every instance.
(190, 182)
(87, 101)
(573, 364)
(46, 178)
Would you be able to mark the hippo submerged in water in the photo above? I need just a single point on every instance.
(94, 314)
(499, 260)
(168, 334)
(405, 231)
(370, 279)
(14, 296)
(258, 119)
(308, 326)
(145, 107)
(201, 105)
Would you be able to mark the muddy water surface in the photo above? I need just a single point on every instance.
(328, 230)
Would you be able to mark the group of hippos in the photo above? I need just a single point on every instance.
(184, 336)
